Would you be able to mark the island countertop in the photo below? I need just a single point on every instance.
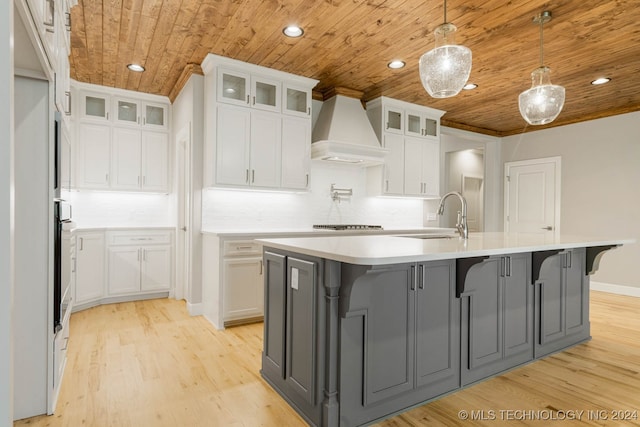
(379, 250)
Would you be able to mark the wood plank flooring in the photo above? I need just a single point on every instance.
(149, 363)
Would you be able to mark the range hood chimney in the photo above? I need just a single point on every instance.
(343, 133)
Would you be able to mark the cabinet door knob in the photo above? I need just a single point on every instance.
(548, 228)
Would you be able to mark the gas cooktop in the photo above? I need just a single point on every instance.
(347, 227)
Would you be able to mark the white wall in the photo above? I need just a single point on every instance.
(188, 116)
(6, 213)
(600, 180)
(233, 209)
(32, 247)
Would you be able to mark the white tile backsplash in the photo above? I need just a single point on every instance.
(238, 209)
(117, 209)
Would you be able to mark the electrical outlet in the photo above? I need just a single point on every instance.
(431, 216)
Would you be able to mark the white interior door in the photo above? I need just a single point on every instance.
(532, 196)
(183, 236)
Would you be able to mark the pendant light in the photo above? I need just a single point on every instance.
(445, 69)
(542, 103)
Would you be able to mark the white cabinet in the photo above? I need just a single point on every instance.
(242, 280)
(244, 89)
(421, 124)
(233, 145)
(421, 171)
(296, 101)
(296, 153)
(94, 106)
(122, 143)
(155, 162)
(266, 143)
(411, 134)
(253, 138)
(90, 267)
(140, 160)
(131, 112)
(248, 149)
(393, 169)
(139, 261)
(93, 156)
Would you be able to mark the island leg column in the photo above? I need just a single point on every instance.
(330, 404)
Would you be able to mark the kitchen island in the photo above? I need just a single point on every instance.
(358, 328)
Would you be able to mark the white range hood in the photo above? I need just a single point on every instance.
(343, 134)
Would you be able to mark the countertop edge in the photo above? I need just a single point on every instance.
(425, 255)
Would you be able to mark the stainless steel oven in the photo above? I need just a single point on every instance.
(62, 262)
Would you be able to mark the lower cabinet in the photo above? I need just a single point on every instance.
(122, 265)
(399, 339)
(242, 279)
(291, 360)
(496, 316)
(90, 267)
(562, 302)
(139, 262)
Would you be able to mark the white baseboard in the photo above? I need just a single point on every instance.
(631, 291)
(195, 309)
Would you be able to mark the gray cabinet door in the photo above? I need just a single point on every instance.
(577, 285)
(562, 302)
(437, 327)
(518, 307)
(497, 317)
(301, 328)
(389, 344)
(274, 315)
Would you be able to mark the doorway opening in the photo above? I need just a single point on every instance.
(464, 172)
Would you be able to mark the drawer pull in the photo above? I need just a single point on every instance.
(242, 248)
(142, 238)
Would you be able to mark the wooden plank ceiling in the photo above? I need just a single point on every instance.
(348, 43)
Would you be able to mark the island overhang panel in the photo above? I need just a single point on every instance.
(361, 327)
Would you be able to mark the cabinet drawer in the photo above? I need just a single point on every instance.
(242, 248)
(139, 237)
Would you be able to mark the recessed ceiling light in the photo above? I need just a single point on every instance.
(601, 81)
(136, 67)
(395, 64)
(293, 31)
(470, 86)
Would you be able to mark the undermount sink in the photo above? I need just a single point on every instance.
(429, 236)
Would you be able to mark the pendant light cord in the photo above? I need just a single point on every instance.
(445, 11)
(541, 41)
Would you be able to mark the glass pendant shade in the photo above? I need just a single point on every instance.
(445, 69)
(543, 102)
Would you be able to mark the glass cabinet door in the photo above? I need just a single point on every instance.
(266, 94)
(430, 127)
(155, 115)
(127, 112)
(233, 87)
(95, 106)
(393, 120)
(297, 102)
(414, 124)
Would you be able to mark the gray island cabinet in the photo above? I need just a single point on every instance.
(359, 328)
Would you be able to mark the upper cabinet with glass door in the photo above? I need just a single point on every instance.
(244, 89)
(139, 113)
(421, 124)
(296, 101)
(95, 106)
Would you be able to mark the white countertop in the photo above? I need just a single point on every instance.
(310, 232)
(379, 250)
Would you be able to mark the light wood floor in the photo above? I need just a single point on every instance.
(149, 364)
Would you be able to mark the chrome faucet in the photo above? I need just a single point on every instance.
(461, 224)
